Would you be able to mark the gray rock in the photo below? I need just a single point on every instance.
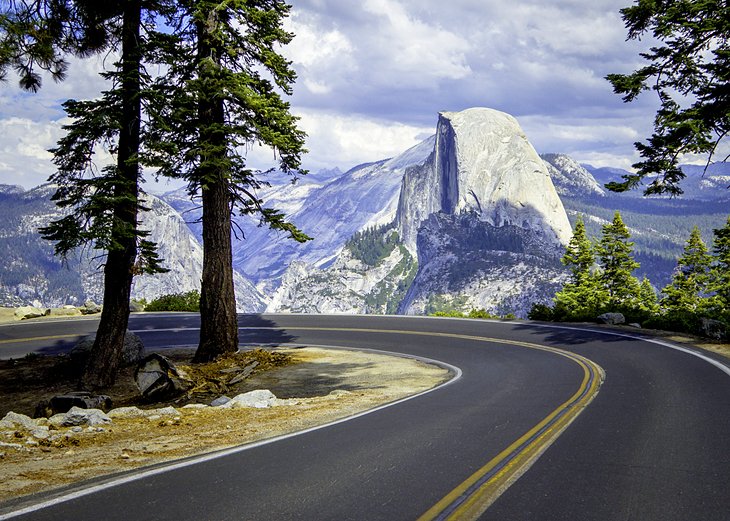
(77, 416)
(40, 433)
(158, 378)
(221, 400)
(133, 349)
(714, 329)
(90, 308)
(13, 420)
(56, 420)
(126, 412)
(611, 318)
(65, 312)
(258, 399)
(26, 312)
(166, 411)
(196, 406)
(635, 325)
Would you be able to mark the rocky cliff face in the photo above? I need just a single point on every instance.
(329, 206)
(465, 263)
(570, 178)
(478, 215)
(482, 164)
(183, 256)
(31, 273)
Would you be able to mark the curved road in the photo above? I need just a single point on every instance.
(652, 445)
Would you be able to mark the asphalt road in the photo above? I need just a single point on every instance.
(653, 444)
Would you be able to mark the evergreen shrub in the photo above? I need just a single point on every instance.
(189, 301)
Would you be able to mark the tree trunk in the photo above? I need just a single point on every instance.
(218, 320)
(106, 353)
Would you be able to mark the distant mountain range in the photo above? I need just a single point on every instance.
(470, 217)
(30, 274)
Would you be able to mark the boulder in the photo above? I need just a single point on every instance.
(221, 400)
(65, 402)
(127, 412)
(90, 308)
(77, 416)
(41, 433)
(259, 399)
(611, 318)
(65, 312)
(133, 349)
(13, 420)
(195, 406)
(158, 378)
(714, 329)
(26, 312)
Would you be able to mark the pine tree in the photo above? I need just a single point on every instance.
(647, 299)
(686, 292)
(37, 36)
(221, 96)
(103, 207)
(614, 257)
(687, 69)
(583, 296)
(720, 271)
(579, 256)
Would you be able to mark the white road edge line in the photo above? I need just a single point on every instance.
(721, 366)
(227, 452)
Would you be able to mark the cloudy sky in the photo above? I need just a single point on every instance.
(373, 75)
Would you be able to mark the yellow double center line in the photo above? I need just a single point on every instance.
(472, 497)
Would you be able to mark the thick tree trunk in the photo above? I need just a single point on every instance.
(218, 320)
(106, 353)
(219, 323)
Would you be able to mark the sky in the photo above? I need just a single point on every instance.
(374, 74)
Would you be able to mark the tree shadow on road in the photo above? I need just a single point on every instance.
(569, 333)
(257, 330)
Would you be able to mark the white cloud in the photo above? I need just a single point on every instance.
(346, 141)
(23, 148)
(408, 45)
(372, 75)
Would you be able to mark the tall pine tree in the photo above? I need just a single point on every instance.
(687, 291)
(720, 271)
(103, 207)
(582, 297)
(579, 256)
(221, 96)
(617, 264)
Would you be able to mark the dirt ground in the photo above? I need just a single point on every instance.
(322, 385)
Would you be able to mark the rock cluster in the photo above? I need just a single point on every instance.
(28, 312)
(23, 433)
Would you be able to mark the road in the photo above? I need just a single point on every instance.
(652, 445)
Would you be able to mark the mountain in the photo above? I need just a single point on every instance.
(478, 224)
(659, 225)
(471, 217)
(570, 178)
(702, 182)
(32, 274)
(329, 206)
